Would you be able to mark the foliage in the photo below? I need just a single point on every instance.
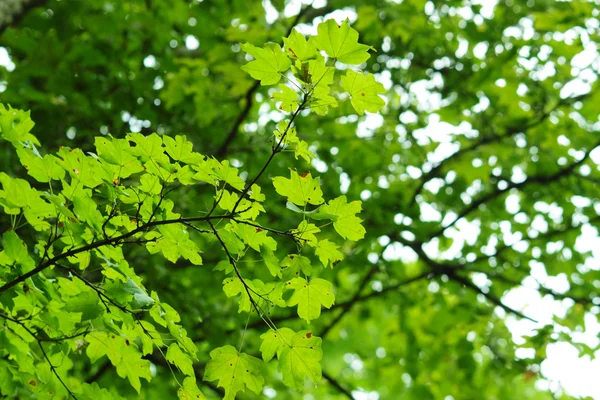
(244, 199)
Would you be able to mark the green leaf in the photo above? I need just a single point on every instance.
(270, 260)
(86, 210)
(225, 173)
(181, 360)
(341, 42)
(180, 149)
(346, 223)
(16, 251)
(256, 194)
(254, 237)
(81, 168)
(189, 390)
(310, 296)
(320, 77)
(299, 189)
(274, 341)
(268, 65)
(95, 392)
(42, 169)
(148, 148)
(16, 193)
(300, 359)
(287, 97)
(15, 125)
(116, 152)
(293, 264)
(328, 253)
(290, 132)
(175, 242)
(364, 91)
(132, 367)
(302, 150)
(234, 371)
(233, 286)
(150, 184)
(306, 233)
(298, 47)
(231, 240)
(140, 297)
(122, 354)
(316, 214)
(87, 303)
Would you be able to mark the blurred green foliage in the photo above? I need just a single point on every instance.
(478, 176)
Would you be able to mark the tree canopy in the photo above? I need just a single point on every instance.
(294, 199)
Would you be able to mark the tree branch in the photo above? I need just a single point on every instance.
(249, 96)
(333, 382)
(493, 299)
(509, 132)
(41, 346)
(107, 242)
(275, 150)
(451, 271)
(348, 303)
(539, 179)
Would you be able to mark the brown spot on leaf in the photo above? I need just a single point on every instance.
(309, 335)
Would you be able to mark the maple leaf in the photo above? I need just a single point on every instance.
(298, 47)
(341, 42)
(299, 189)
(364, 91)
(268, 65)
(345, 221)
(300, 359)
(310, 296)
(234, 371)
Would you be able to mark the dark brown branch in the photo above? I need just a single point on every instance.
(38, 338)
(485, 140)
(98, 374)
(249, 97)
(350, 303)
(222, 151)
(542, 289)
(247, 288)
(333, 382)
(539, 179)
(275, 150)
(107, 242)
(490, 297)
(451, 271)
(41, 346)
